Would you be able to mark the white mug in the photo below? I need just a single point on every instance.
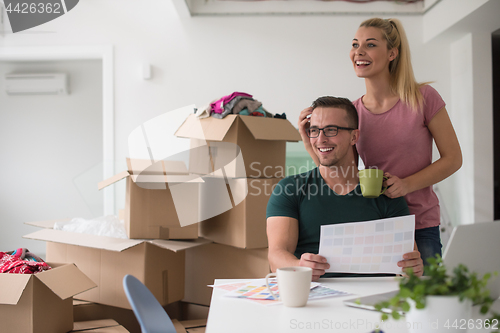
(294, 284)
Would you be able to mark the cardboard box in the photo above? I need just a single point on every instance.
(111, 326)
(245, 146)
(41, 302)
(98, 326)
(159, 264)
(190, 326)
(88, 312)
(161, 200)
(218, 261)
(244, 225)
(91, 311)
(192, 316)
(191, 311)
(85, 311)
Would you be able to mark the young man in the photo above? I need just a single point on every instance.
(328, 194)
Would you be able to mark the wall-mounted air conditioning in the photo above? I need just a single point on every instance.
(36, 84)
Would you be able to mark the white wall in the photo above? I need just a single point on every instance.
(51, 151)
(465, 41)
(463, 120)
(447, 13)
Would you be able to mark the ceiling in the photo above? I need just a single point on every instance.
(302, 7)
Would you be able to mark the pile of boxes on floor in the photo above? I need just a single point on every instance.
(176, 260)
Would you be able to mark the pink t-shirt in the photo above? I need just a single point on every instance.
(399, 142)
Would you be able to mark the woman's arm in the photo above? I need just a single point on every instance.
(449, 162)
(303, 125)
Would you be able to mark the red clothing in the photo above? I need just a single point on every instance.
(399, 142)
(17, 263)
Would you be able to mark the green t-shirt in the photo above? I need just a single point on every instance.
(307, 198)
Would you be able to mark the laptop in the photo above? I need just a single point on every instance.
(475, 245)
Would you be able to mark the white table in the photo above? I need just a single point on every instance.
(323, 315)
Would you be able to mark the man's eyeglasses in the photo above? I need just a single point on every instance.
(329, 131)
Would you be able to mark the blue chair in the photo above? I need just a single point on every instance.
(149, 312)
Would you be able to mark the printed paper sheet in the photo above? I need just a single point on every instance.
(367, 247)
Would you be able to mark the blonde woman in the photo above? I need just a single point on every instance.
(398, 119)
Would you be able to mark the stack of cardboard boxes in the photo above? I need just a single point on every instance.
(148, 253)
(247, 155)
(243, 156)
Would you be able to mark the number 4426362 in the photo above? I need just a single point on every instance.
(463, 324)
(32, 8)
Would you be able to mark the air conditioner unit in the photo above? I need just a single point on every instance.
(36, 84)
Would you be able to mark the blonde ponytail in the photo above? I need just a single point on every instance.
(403, 81)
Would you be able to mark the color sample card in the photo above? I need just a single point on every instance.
(324, 292)
(367, 247)
(256, 291)
(229, 286)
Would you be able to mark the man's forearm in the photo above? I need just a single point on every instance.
(281, 258)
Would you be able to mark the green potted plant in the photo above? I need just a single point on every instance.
(440, 302)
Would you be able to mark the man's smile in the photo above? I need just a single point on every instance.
(325, 149)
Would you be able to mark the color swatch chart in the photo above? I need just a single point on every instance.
(367, 247)
(257, 289)
(257, 292)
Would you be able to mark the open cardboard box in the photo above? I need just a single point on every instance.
(159, 264)
(245, 146)
(41, 302)
(232, 211)
(161, 200)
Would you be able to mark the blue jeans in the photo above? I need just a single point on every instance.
(428, 242)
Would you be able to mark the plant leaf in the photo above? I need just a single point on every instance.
(396, 315)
